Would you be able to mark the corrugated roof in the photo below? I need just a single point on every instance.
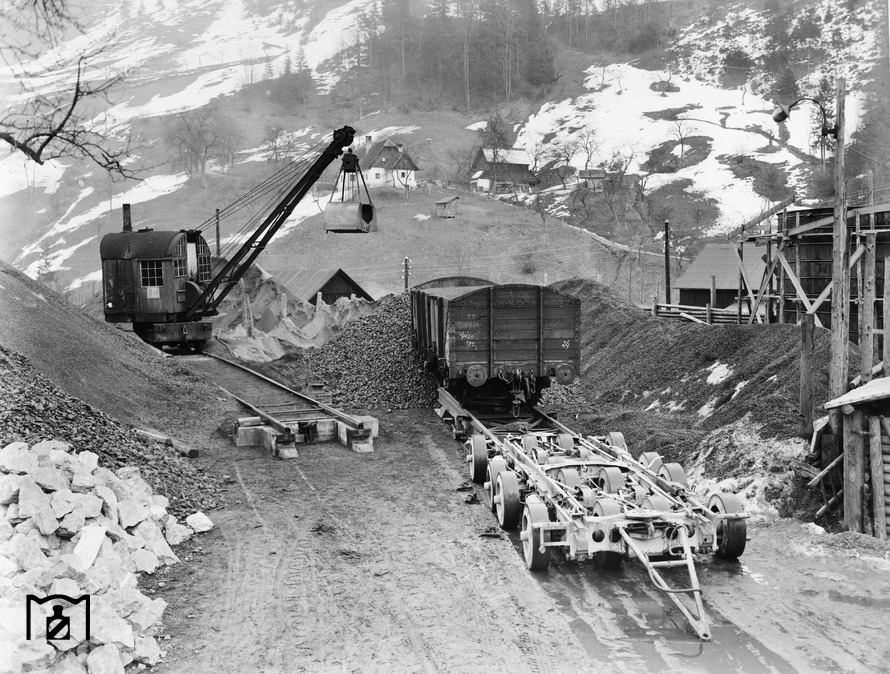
(307, 283)
(143, 244)
(514, 155)
(719, 260)
(386, 154)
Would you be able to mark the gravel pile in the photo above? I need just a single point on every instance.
(33, 409)
(371, 364)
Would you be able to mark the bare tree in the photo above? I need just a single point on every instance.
(51, 123)
(495, 137)
(196, 137)
(589, 144)
(563, 153)
(681, 131)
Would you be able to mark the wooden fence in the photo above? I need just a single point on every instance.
(705, 314)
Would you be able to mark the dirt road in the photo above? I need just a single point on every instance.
(374, 563)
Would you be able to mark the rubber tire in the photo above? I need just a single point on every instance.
(565, 442)
(732, 535)
(496, 465)
(510, 508)
(569, 477)
(535, 512)
(616, 439)
(478, 458)
(611, 479)
(652, 460)
(656, 502)
(673, 472)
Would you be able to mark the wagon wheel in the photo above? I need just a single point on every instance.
(535, 512)
(607, 559)
(506, 499)
(732, 535)
(541, 456)
(530, 444)
(656, 502)
(610, 479)
(478, 458)
(652, 460)
(569, 477)
(565, 442)
(495, 466)
(673, 472)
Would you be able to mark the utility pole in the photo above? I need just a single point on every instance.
(217, 233)
(840, 309)
(407, 272)
(667, 261)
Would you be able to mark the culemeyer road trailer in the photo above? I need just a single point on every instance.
(588, 497)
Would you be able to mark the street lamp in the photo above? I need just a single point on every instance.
(783, 112)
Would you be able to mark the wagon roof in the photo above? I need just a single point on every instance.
(143, 244)
(453, 292)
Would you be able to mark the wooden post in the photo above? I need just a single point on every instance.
(797, 270)
(867, 310)
(769, 288)
(878, 500)
(885, 338)
(807, 349)
(667, 261)
(854, 469)
(713, 291)
(860, 280)
(782, 229)
(741, 283)
(708, 318)
(840, 302)
(246, 313)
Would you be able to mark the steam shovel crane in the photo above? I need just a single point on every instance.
(161, 281)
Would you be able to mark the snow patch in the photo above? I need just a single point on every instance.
(719, 372)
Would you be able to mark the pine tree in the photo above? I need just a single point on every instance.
(268, 73)
(286, 68)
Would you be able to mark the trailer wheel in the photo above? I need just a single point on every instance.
(610, 479)
(652, 460)
(478, 458)
(495, 466)
(732, 535)
(607, 559)
(569, 477)
(616, 439)
(535, 512)
(506, 500)
(565, 442)
(673, 472)
(530, 444)
(656, 502)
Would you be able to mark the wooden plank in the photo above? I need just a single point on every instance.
(879, 501)
(688, 317)
(876, 389)
(867, 310)
(807, 350)
(745, 278)
(821, 222)
(821, 476)
(886, 337)
(797, 287)
(770, 212)
(763, 284)
(854, 468)
(854, 258)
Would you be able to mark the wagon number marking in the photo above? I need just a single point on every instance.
(567, 343)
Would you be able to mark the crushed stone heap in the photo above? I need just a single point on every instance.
(370, 363)
(32, 408)
(70, 526)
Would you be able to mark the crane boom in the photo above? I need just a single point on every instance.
(240, 262)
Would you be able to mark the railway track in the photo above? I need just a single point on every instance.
(588, 498)
(292, 417)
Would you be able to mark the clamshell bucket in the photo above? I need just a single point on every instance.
(350, 216)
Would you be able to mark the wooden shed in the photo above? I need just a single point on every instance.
(717, 260)
(331, 283)
(447, 208)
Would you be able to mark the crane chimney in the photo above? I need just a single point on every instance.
(128, 222)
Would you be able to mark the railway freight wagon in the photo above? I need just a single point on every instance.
(496, 345)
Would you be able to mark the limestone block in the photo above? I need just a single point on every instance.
(147, 651)
(66, 565)
(16, 458)
(5, 531)
(49, 478)
(62, 502)
(177, 533)
(45, 521)
(71, 524)
(46, 543)
(82, 481)
(109, 507)
(199, 522)
(106, 627)
(160, 501)
(89, 503)
(68, 664)
(125, 602)
(65, 586)
(159, 515)
(146, 561)
(7, 567)
(26, 553)
(154, 541)
(87, 547)
(134, 480)
(104, 660)
(49, 446)
(12, 514)
(148, 615)
(88, 460)
(35, 654)
(131, 512)
(9, 489)
(31, 498)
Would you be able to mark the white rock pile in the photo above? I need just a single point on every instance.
(69, 526)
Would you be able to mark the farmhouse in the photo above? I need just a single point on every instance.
(506, 171)
(385, 163)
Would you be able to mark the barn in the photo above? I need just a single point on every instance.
(508, 170)
(718, 260)
(331, 283)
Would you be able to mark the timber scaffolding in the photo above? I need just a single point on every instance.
(796, 288)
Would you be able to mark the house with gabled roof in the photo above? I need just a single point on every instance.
(331, 284)
(506, 170)
(386, 163)
(720, 262)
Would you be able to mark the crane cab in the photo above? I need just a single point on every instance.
(151, 278)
